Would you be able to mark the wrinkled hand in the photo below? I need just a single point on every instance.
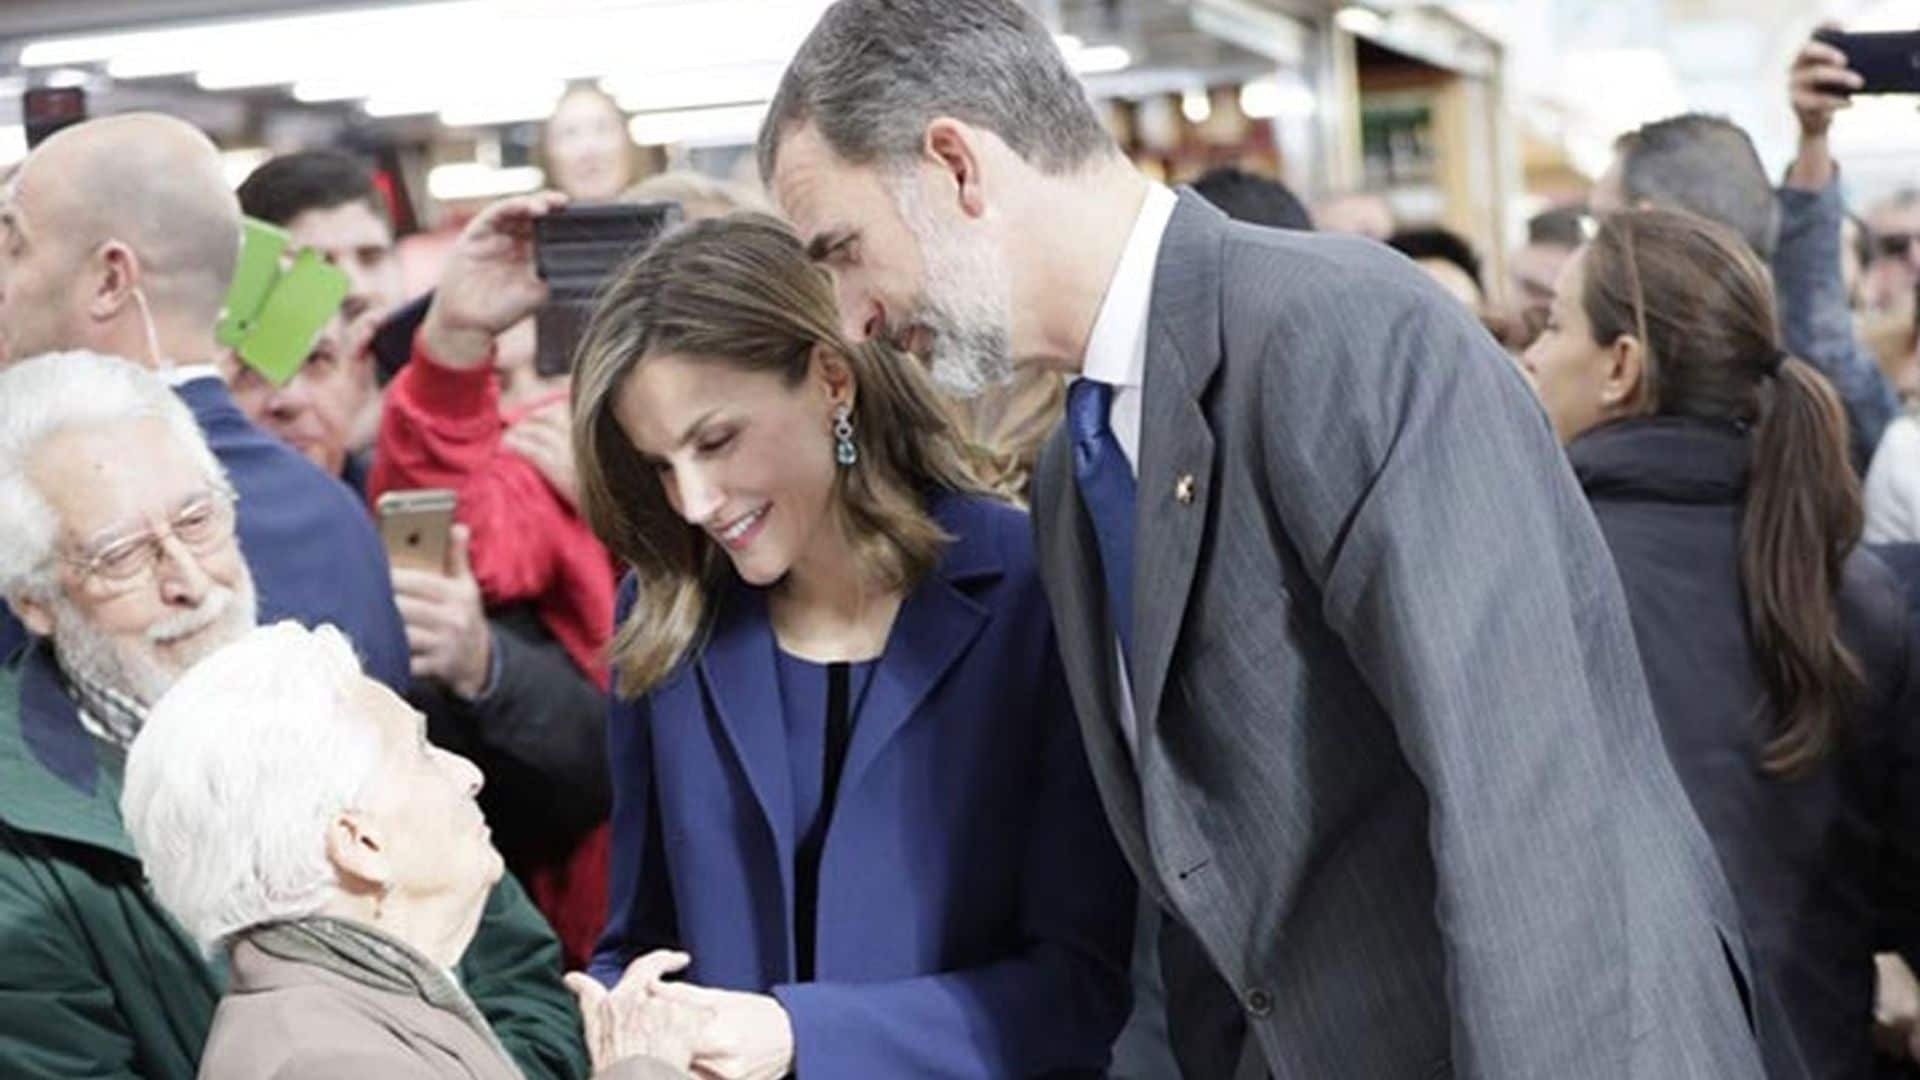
(447, 633)
(631, 1021)
(489, 282)
(1816, 69)
(546, 439)
(748, 1036)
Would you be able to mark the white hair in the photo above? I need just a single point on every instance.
(236, 776)
(41, 397)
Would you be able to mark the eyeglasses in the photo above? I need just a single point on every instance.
(201, 526)
(1895, 245)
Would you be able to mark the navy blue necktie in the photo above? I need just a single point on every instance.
(1106, 488)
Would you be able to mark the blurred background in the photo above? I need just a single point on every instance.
(1475, 115)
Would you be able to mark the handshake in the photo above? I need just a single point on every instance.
(691, 1030)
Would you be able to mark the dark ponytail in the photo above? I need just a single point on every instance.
(1701, 305)
(1803, 517)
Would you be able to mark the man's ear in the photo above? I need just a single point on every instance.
(955, 147)
(114, 275)
(34, 614)
(358, 852)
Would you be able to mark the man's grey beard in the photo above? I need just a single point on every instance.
(964, 306)
(92, 657)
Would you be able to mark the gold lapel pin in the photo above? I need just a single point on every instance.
(1183, 489)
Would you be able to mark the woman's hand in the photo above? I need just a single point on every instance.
(747, 1037)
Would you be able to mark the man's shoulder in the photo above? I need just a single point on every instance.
(1320, 274)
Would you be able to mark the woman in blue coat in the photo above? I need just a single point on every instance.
(848, 782)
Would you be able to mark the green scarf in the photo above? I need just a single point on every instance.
(358, 952)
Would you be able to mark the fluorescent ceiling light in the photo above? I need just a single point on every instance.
(1101, 60)
(1265, 99)
(472, 180)
(1196, 106)
(727, 124)
(1360, 21)
(659, 91)
(13, 144)
(533, 105)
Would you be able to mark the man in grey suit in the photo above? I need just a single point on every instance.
(1353, 667)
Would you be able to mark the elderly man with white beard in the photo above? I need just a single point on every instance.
(118, 554)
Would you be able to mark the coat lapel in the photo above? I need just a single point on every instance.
(1070, 567)
(738, 671)
(937, 622)
(49, 767)
(1176, 445)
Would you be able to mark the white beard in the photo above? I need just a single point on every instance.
(965, 305)
(136, 670)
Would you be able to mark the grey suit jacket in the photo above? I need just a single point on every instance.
(1398, 772)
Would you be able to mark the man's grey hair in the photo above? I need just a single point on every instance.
(1704, 165)
(56, 392)
(874, 73)
(238, 774)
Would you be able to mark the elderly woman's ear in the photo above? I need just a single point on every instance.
(358, 853)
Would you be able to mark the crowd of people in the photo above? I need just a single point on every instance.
(968, 610)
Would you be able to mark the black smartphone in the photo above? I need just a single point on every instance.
(576, 250)
(47, 109)
(1887, 63)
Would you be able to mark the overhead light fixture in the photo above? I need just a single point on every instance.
(13, 144)
(1196, 106)
(514, 109)
(1359, 21)
(664, 90)
(1266, 99)
(727, 124)
(1100, 60)
(472, 180)
(67, 77)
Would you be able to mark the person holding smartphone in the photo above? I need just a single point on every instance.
(522, 542)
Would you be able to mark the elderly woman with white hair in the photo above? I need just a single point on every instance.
(290, 808)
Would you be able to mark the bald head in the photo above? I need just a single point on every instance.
(151, 182)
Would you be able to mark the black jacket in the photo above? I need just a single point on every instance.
(1826, 867)
(539, 736)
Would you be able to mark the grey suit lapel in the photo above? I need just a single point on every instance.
(1176, 445)
(1069, 562)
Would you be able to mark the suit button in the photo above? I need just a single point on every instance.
(1259, 1002)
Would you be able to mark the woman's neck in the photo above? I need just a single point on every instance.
(432, 927)
(829, 608)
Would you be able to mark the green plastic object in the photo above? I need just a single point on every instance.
(275, 310)
(261, 246)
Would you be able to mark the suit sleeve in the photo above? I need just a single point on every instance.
(440, 427)
(57, 1018)
(512, 973)
(1461, 565)
(640, 915)
(1055, 1005)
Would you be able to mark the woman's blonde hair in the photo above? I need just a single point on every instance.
(741, 291)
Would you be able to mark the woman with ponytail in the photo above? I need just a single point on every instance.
(1776, 649)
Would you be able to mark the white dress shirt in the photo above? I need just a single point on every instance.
(1117, 355)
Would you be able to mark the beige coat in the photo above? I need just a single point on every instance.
(285, 1020)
